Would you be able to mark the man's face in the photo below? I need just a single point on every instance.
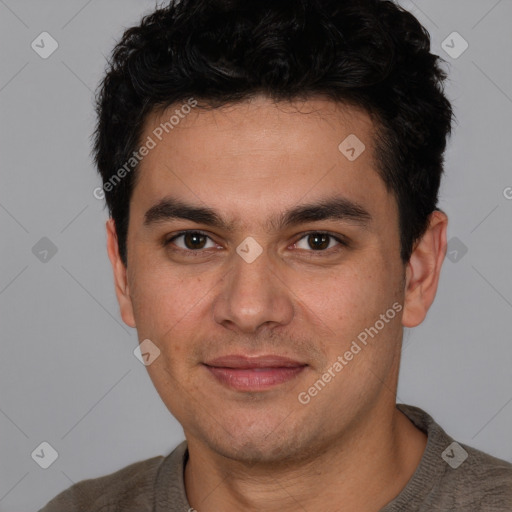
(289, 291)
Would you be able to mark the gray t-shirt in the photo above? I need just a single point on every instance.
(450, 477)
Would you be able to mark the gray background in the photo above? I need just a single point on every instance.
(68, 375)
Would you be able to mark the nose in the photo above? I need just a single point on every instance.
(253, 295)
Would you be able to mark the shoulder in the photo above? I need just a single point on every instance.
(456, 475)
(128, 489)
(481, 479)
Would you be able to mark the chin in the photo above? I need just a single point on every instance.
(261, 444)
(252, 452)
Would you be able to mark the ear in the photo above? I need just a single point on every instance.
(423, 270)
(120, 279)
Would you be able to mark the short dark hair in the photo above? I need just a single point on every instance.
(366, 53)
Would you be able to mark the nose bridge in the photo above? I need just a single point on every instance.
(252, 295)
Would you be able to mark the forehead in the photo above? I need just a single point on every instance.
(255, 156)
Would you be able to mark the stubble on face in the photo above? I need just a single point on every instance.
(246, 162)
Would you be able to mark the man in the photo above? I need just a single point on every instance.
(272, 170)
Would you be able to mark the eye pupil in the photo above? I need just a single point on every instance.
(318, 241)
(193, 240)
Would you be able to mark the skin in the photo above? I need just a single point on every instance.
(265, 450)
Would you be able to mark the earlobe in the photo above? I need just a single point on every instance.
(120, 275)
(423, 270)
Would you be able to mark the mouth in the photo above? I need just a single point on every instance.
(254, 373)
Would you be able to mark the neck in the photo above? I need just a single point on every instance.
(362, 470)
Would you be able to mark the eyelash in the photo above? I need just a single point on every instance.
(199, 252)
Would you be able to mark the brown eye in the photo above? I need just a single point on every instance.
(194, 240)
(319, 242)
(190, 241)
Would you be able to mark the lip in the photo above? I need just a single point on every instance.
(246, 362)
(254, 373)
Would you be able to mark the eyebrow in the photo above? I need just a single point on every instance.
(332, 208)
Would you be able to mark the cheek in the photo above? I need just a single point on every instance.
(344, 294)
(351, 299)
(162, 298)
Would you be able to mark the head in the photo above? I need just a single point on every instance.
(308, 135)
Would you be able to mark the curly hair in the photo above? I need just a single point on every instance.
(372, 54)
